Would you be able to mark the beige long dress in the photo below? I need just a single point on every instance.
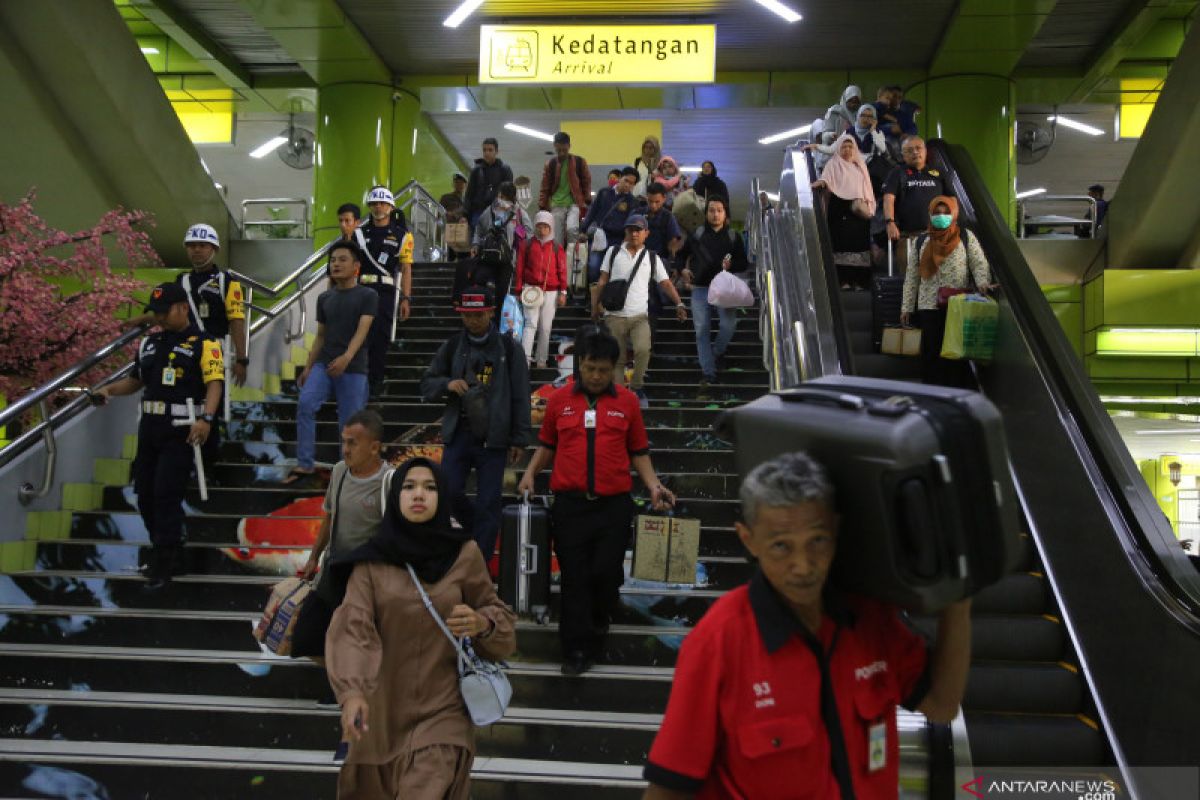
(383, 645)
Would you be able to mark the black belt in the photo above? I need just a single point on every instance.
(587, 495)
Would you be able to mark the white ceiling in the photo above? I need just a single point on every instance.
(1076, 160)
(242, 177)
(727, 137)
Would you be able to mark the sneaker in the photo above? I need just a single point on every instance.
(703, 388)
(643, 401)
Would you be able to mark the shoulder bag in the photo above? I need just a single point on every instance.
(485, 689)
(616, 291)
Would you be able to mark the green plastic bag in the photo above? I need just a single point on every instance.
(970, 328)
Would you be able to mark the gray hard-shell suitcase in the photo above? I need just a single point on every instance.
(525, 559)
(928, 510)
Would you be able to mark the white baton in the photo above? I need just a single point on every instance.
(395, 306)
(191, 420)
(228, 375)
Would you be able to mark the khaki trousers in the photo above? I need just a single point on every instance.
(637, 331)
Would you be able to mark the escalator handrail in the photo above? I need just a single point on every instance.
(807, 306)
(1160, 562)
(841, 330)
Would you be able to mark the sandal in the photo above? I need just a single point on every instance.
(297, 475)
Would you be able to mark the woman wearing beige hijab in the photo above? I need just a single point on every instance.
(850, 208)
(646, 163)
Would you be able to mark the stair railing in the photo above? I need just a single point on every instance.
(426, 220)
(302, 279)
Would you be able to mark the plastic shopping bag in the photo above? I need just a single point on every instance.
(729, 291)
(512, 317)
(971, 321)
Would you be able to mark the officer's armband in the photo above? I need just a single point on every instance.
(212, 361)
(235, 304)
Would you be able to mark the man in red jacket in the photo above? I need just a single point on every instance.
(566, 189)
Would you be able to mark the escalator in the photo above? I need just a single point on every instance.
(1085, 657)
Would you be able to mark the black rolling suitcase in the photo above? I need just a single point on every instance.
(886, 297)
(928, 510)
(525, 559)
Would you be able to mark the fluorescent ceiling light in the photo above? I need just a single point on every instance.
(515, 128)
(1167, 432)
(779, 8)
(462, 12)
(774, 198)
(270, 146)
(779, 137)
(690, 169)
(1030, 193)
(150, 51)
(1079, 126)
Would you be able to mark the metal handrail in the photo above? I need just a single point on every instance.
(299, 277)
(266, 201)
(1090, 220)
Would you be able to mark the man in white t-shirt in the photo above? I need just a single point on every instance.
(632, 261)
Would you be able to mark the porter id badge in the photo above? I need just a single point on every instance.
(589, 418)
(383, 257)
(877, 747)
(168, 378)
(202, 309)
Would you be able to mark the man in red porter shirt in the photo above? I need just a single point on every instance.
(592, 432)
(787, 688)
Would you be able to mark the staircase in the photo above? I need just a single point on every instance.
(1027, 703)
(108, 692)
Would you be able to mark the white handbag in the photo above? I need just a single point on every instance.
(533, 296)
(485, 689)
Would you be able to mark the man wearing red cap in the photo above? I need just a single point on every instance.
(482, 378)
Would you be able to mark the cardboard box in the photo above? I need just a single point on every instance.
(666, 549)
(458, 236)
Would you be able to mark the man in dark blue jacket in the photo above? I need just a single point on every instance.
(608, 212)
(487, 175)
(482, 377)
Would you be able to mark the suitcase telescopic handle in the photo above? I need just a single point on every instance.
(851, 402)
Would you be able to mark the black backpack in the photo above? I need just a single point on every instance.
(495, 250)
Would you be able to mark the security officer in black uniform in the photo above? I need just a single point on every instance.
(173, 365)
(389, 249)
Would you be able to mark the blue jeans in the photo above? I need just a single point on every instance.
(350, 389)
(702, 314)
(462, 453)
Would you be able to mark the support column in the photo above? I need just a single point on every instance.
(355, 133)
(978, 112)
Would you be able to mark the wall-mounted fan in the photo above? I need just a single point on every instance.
(1033, 141)
(297, 152)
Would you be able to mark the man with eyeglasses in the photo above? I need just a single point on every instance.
(907, 193)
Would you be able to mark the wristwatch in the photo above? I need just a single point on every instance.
(404, 297)
(205, 418)
(889, 222)
(245, 362)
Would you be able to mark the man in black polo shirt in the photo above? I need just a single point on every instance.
(907, 193)
(788, 688)
(592, 433)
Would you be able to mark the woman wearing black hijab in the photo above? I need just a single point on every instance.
(708, 184)
(391, 666)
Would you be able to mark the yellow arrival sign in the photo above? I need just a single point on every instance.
(647, 54)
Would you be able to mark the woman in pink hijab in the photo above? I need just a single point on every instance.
(851, 206)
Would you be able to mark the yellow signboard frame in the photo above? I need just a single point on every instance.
(595, 54)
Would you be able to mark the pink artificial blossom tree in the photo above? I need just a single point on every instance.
(59, 293)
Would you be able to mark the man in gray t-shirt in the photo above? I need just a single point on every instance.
(354, 501)
(353, 514)
(337, 361)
